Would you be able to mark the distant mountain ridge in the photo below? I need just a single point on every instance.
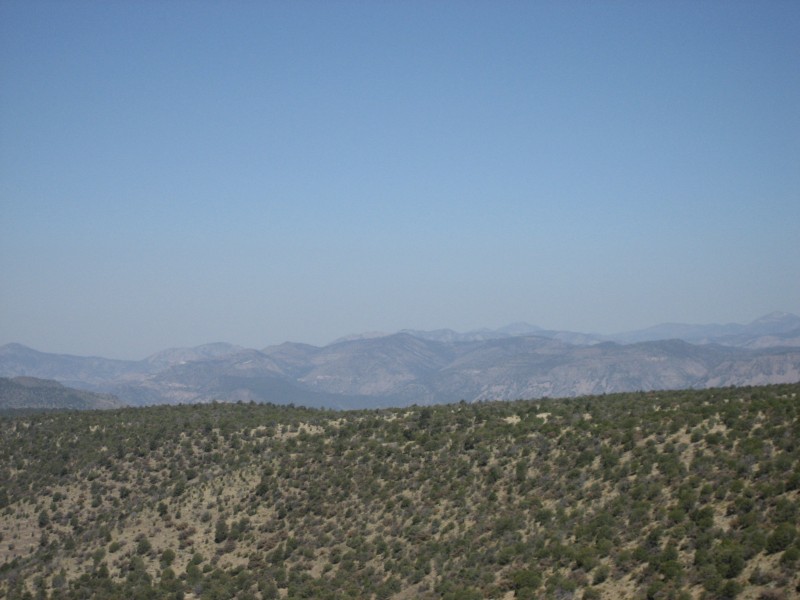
(774, 329)
(782, 329)
(426, 367)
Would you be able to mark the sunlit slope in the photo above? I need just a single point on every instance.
(680, 494)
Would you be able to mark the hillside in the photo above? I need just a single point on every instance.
(32, 393)
(85, 372)
(691, 494)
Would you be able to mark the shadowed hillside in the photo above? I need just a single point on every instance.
(32, 393)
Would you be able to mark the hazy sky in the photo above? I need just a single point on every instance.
(175, 173)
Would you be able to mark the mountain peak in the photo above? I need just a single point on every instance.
(777, 315)
(520, 328)
(369, 335)
(14, 347)
(777, 322)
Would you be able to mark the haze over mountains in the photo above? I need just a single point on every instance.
(427, 367)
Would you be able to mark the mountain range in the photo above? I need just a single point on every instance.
(428, 367)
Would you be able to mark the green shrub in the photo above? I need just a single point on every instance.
(729, 559)
(790, 556)
(167, 557)
(781, 538)
(601, 573)
(526, 579)
(144, 546)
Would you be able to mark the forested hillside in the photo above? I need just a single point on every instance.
(691, 494)
(32, 393)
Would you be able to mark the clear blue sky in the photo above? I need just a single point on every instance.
(174, 173)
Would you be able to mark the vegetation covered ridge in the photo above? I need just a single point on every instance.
(689, 494)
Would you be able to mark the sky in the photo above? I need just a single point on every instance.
(177, 173)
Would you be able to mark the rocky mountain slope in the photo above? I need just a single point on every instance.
(434, 367)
